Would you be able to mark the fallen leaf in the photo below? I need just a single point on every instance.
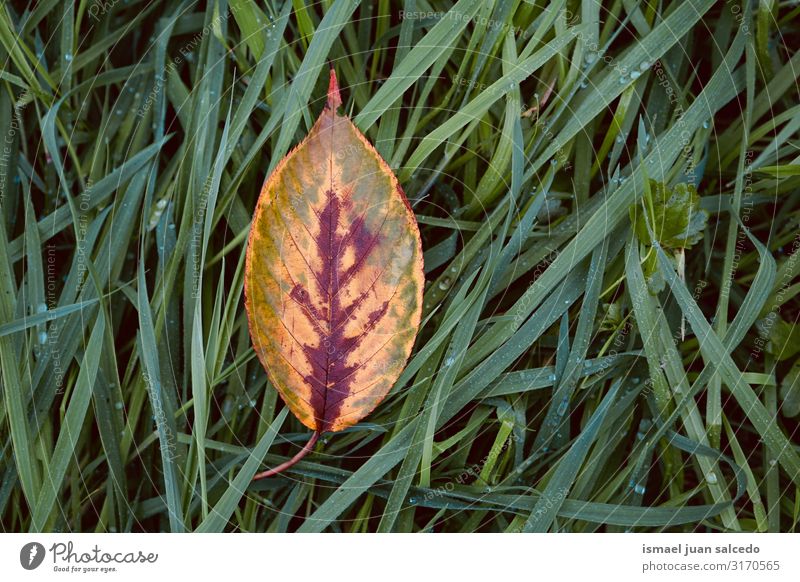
(334, 278)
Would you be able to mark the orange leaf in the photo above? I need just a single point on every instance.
(334, 279)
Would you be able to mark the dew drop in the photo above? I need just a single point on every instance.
(68, 57)
(639, 489)
(635, 74)
(705, 125)
(412, 500)
(118, 405)
(444, 284)
(644, 66)
(41, 308)
(42, 337)
(711, 478)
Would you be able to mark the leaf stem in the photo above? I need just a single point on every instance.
(302, 453)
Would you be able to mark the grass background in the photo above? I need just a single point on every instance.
(549, 389)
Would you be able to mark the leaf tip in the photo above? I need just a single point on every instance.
(334, 98)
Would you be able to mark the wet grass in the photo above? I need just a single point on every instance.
(601, 349)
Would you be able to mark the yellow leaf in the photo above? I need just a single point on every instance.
(334, 278)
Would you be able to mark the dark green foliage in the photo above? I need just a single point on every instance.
(556, 385)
